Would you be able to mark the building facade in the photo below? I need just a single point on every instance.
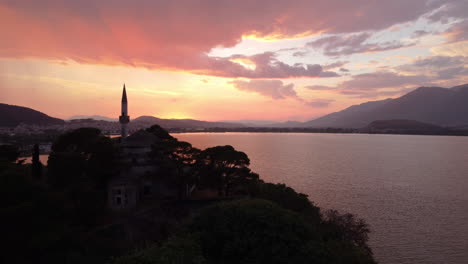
(137, 175)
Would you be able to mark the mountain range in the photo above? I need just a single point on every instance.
(182, 123)
(433, 105)
(447, 107)
(95, 117)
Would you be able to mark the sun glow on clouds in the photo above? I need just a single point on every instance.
(278, 36)
(72, 57)
(245, 62)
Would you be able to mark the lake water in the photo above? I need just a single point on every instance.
(412, 190)
(42, 158)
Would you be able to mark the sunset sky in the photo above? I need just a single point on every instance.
(226, 60)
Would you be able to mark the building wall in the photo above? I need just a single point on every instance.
(123, 196)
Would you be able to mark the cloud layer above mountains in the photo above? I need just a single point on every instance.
(178, 35)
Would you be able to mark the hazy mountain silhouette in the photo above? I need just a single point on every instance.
(433, 105)
(285, 124)
(95, 117)
(182, 123)
(401, 124)
(12, 115)
(249, 122)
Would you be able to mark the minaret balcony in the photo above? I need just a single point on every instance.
(124, 119)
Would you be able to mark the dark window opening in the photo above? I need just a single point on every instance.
(147, 190)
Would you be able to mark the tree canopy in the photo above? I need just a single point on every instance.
(251, 231)
(225, 168)
(8, 153)
(81, 156)
(159, 132)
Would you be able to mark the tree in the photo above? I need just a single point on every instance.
(245, 231)
(346, 227)
(287, 198)
(225, 169)
(81, 157)
(160, 132)
(184, 157)
(32, 219)
(256, 231)
(79, 165)
(8, 153)
(184, 249)
(179, 160)
(36, 166)
(252, 231)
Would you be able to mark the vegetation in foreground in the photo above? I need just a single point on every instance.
(58, 214)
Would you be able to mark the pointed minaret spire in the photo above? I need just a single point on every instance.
(124, 119)
(124, 95)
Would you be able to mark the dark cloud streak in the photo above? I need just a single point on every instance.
(342, 45)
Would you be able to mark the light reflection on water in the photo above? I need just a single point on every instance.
(43, 158)
(412, 190)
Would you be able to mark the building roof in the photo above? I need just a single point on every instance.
(140, 138)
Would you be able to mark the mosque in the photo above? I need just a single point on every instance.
(135, 181)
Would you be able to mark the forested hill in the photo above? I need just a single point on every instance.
(12, 115)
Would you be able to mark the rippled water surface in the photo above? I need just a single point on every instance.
(412, 190)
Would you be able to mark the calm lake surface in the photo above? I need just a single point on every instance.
(412, 190)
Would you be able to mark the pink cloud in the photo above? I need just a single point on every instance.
(274, 89)
(379, 80)
(266, 66)
(177, 35)
(375, 84)
(339, 45)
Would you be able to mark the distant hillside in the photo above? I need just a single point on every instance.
(249, 122)
(181, 123)
(402, 126)
(347, 117)
(434, 105)
(95, 117)
(284, 124)
(12, 115)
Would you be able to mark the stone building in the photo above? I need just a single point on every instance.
(136, 179)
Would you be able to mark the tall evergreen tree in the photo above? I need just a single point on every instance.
(36, 168)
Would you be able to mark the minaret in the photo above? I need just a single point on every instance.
(124, 118)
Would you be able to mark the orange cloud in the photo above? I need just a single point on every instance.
(177, 35)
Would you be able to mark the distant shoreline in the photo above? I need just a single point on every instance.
(321, 131)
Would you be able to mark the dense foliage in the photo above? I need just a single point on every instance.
(8, 153)
(82, 156)
(226, 169)
(253, 231)
(62, 217)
